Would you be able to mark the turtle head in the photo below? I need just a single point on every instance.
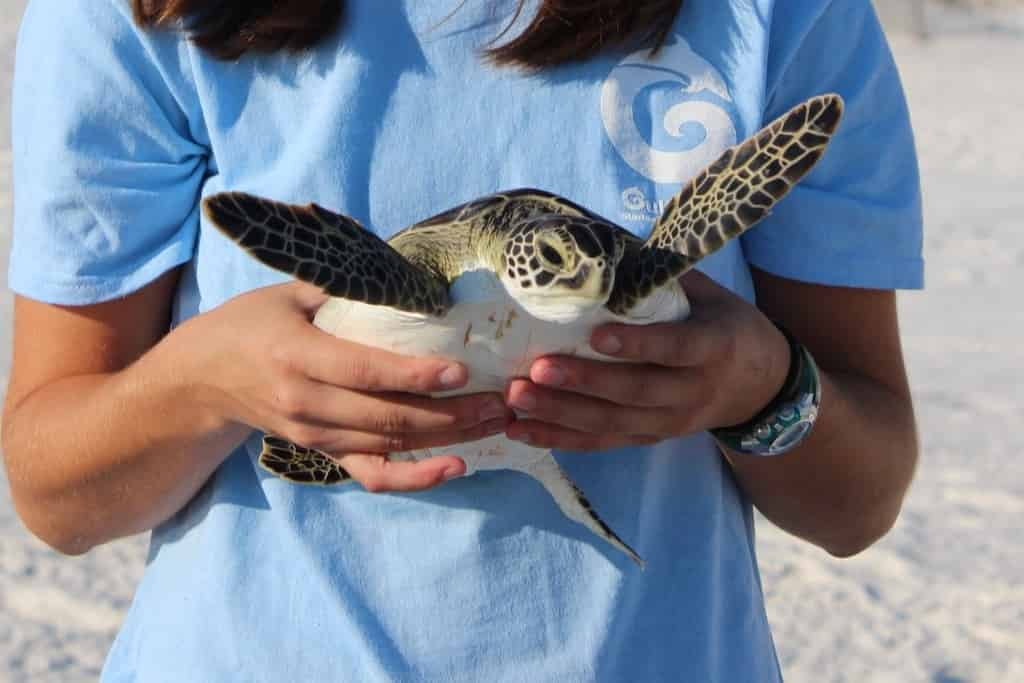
(559, 267)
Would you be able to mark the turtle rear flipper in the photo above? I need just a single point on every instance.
(303, 465)
(727, 198)
(332, 251)
(574, 504)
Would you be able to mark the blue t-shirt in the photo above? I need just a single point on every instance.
(118, 133)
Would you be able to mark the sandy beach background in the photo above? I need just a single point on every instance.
(941, 599)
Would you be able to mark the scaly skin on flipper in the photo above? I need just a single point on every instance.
(331, 251)
(727, 198)
(574, 504)
(298, 464)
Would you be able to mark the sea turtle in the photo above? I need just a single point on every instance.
(510, 277)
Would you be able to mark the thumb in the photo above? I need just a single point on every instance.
(700, 287)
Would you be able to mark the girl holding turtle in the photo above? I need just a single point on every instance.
(148, 348)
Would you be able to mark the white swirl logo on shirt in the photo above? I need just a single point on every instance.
(667, 117)
(634, 199)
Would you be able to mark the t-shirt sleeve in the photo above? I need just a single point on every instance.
(106, 173)
(855, 220)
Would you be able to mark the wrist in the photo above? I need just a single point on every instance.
(767, 373)
(176, 373)
(788, 417)
(782, 368)
(178, 417)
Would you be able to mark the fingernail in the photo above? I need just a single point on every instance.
(452, 472)
(492, 410)
(608, 344)
(453, 376)
(552, 376)
(525, 401)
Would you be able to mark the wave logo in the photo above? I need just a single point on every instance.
(668, 118)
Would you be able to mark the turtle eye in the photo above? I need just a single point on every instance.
(551, 255)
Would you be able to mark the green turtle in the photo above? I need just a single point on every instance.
(500, 281)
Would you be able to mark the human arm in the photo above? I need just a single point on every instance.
(111, 425)
(65, 432)
(841, 488)
(856, 466)
(855, 223)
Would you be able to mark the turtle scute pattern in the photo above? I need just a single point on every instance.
(740, 188)
(331, 251)
(530, 263)
(502, 211)
(298, 464)
(642, 270)
(727, 198)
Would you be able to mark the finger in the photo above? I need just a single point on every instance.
(340, 441)
(677, 344)
(545, 435)
(326, 358)
(389, 413)
(641, 385)
(377, 474)
(586, 414)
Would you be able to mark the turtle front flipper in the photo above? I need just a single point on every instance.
(573, 503)
(331, 251)
(727, 198)
(298, 464)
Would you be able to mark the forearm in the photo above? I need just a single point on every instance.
(94, 458)
(842, 488)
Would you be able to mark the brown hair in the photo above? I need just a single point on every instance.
(562, 30)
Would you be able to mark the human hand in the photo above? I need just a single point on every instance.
(719, 367)
(259, 361)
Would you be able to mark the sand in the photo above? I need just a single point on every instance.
(939, 600)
